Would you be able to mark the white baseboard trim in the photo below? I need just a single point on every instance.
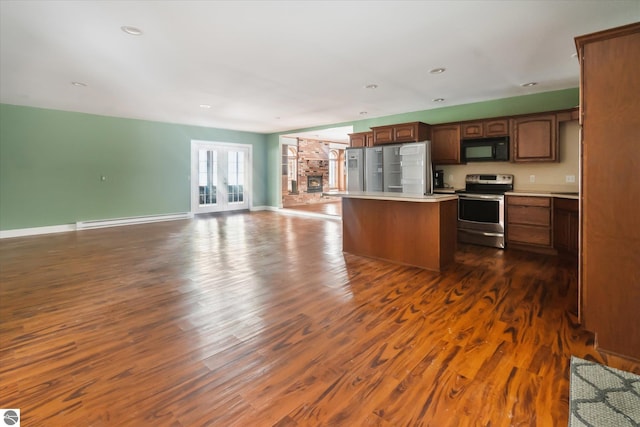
(23, 232)
(87, 225)
(263, 208)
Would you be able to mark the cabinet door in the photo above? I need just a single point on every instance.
(472, 130)
(383, 135)
(496, 127)
(535, 138)
(561, 238)
(357, 140)
(445, 144)
(369, 139)
(406, 133)
(565, 225)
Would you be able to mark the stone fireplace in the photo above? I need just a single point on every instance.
(314, 183)
(312, 174)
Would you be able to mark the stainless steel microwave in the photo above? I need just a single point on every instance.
(485, 150)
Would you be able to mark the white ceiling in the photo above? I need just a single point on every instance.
(271, 66)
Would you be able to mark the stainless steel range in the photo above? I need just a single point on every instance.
(481, 209)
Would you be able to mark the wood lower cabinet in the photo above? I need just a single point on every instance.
(610, 118)
(529, 223)
(535, 138)
(361, 139)
(445, 144)
(406, 231)
(565, 226)
(485, 129)
(403, 132)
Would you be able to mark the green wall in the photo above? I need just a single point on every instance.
(546, 101)
(51, 162)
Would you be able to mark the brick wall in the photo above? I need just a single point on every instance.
(313, 159)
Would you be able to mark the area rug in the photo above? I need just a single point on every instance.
(601, 396)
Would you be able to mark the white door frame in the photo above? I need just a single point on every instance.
(196, 145)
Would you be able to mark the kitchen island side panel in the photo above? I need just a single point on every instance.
(412, 233)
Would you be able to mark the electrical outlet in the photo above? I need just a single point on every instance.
(532, 178)
(450, 178)
(570, 178)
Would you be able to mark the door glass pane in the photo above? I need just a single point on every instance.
(333, 169)
(236, 171)
(207, 177)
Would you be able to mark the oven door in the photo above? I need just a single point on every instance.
(481, 212)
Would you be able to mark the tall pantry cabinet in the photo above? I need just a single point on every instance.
(610, 199)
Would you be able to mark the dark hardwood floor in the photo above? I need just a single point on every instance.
(259, 319)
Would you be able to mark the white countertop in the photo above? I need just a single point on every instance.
(443, 195)
(396, 197)
(532, 193)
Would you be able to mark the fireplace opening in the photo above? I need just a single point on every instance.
(314, 184)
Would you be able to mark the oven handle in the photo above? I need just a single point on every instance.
(481, 197)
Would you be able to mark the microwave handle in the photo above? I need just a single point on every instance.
(493, 151)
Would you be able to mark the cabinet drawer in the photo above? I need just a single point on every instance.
(530, 235)
(529, 201)
(534, 215)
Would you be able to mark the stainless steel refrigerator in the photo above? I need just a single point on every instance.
(355, 169)
(392, 170)
(417, 170)
(373, 176)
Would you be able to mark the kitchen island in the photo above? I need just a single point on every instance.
(412, 230)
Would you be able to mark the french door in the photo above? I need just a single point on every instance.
(220, 176)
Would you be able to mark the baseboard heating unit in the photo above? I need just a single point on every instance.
(116, 222)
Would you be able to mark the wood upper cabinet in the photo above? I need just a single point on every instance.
(535, 138)
(496, 127)
(529, 222)
(361, 139)
(485, 128)
(445, 144)
(404, 132)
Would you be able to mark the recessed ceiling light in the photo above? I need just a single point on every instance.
(79, 84)
(438, 99)
(371, 86)
(205, 106)
(529, 84)
(131, 30)
(437, 70)
(363, 113)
